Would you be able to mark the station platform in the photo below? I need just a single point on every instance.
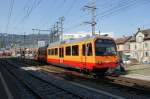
(138, 76)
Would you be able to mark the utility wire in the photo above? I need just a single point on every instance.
(60, 6)
(127, 6)
(26, 5)
(120, 9)
(35, 4)
(70, 8)
(10, 14)
(23, 10)
(119, 5)
(74, 26)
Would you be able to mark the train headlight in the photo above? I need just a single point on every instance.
(117, 62)
(99, 62)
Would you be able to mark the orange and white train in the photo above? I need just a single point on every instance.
(93, 54)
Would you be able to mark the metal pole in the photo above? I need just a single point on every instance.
(99, 32)
(92, 8)
(24, 46)
(61, 28)
(33, 44)
(57, 31)
(38, 39)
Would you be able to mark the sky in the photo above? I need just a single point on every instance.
(122, 17)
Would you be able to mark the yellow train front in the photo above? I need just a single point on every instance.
(94, 54)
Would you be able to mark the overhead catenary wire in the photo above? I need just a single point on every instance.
(77, 25)
(34, 5)
(74, 26)
(80, 24)
(26, 5)
(123, 6)
(120, 6)
(66, 13)
(29, 11)
(61, 5)
(70, 8)
(129, 5)
(9, 14)
(23, 10)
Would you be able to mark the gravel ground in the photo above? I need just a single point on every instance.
(121, 91)
(56, 81)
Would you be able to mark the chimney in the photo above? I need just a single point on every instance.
(124, 36)
(139, 29)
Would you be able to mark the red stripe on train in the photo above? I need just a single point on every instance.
(87, 65)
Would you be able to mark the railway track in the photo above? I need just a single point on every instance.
(46, 86)
(131, 86)
(135, 84)
(124, 82)
(121, 80)
(20, 91)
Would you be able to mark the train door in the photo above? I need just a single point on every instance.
(89, 56)
(83, 58)
(61, 55)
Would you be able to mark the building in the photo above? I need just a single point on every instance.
(123, 46)
(140, 45)
(83, 34)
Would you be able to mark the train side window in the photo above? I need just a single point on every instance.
(75, 50)
(49, 52)
(53, 51)
(89, 49)
(62, 52)
(59, 52)
(56, 51)
(83, 49)
(68, 51)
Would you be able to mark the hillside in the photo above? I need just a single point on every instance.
(17, 41)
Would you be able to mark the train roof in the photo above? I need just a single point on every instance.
(77, 40)
(44, 47)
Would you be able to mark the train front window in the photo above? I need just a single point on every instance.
(105, 47)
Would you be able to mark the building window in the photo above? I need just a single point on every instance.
(146, 35)
(146, 45)
(68, 51)
(118, 47)
(75, 50)
(135, 47)
(140, 39)
(146, 54)
(89, 50)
